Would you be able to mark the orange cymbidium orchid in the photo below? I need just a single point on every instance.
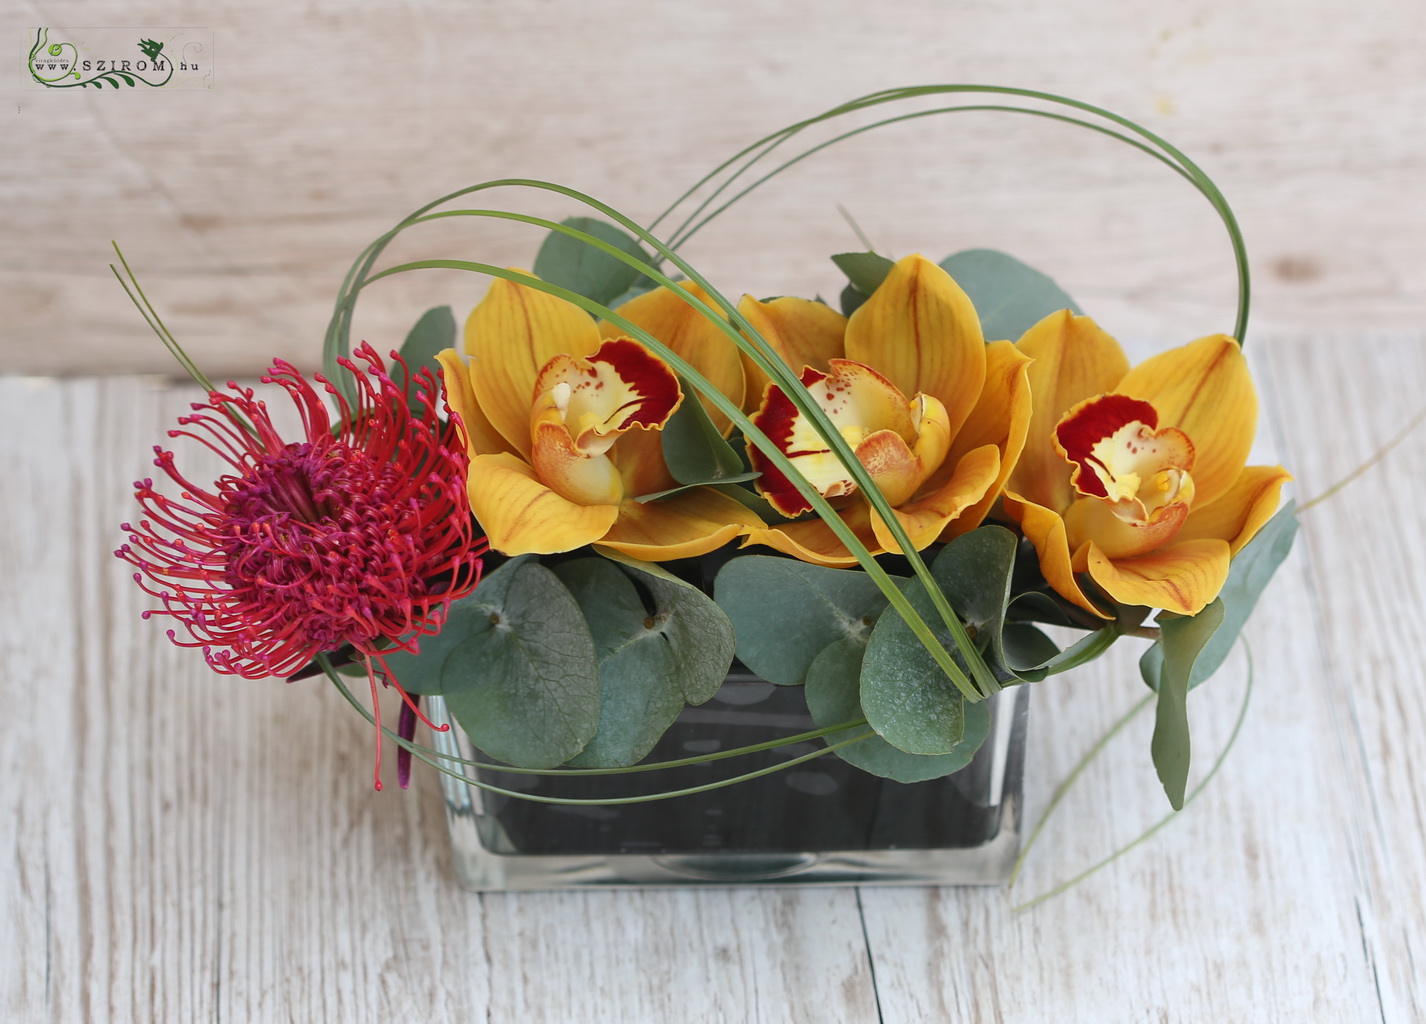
(1138, 477)
(563, 426)
(935, 414)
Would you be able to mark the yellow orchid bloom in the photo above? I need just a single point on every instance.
(1138, 476)
(563, 426)
(935, 414)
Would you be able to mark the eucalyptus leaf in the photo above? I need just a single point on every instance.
(653, 658)
(785, 612)
(1248, 575)
(865, 270)
(580, 267)
(1009, 296)
(524, 680)
(907, 697)
(852, 300)
(1182, 639)
(434, 332)
(694, 450)
(422, 672)
(833, 685)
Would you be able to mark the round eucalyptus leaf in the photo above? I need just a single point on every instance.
(657, 650)
(422, 672)
(524, 681)
(1009, 296)
(582, 268)
(833, 683)
(786, 612)
(906, 695)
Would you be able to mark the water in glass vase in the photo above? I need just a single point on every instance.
(820, 822)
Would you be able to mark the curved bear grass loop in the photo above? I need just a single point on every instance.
(747, 339)
(755, 436)
(690, 228)
(756, 151)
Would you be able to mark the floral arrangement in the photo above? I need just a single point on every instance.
(568, 519)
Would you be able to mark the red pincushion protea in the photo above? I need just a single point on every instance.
(349, 537)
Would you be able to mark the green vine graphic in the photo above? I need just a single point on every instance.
(64, 58)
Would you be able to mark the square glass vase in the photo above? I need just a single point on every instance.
(822, 822)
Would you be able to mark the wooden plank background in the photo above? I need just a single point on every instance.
(189, 847)
(185, 847)
(242, 207)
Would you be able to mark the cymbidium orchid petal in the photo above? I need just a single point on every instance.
(812, 540)
(1241, 512)
(482, 437)
(1182, 578)
(1001, 417)
(1073, 360)
(510, 336)
(926, 516)
(521, 514)
(802, 332)
(921, 332)
(1045, 529)
(685, 525)
(1204, 389)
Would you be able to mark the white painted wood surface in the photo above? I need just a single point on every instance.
(185, 847)
(242, 207)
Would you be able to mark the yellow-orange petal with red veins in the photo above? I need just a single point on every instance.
(1240, 513)
(1073, 360)
(521, 515)
(802, 332)
(926, 516)
(922, 332)
(481, 436)
(509, 337)
(596, 399)
(812, 540)
(686, 525)
(692, 336)
(1204, 389)
(1001, 417)
(1184, 577)
(1046, 530)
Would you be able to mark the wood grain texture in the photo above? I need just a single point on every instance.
(187, 847)
(241, 208)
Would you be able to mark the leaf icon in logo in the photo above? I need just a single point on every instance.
(151, 49)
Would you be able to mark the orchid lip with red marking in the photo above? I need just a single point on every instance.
(620, 386)
(1119, 456)
(899, 442)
